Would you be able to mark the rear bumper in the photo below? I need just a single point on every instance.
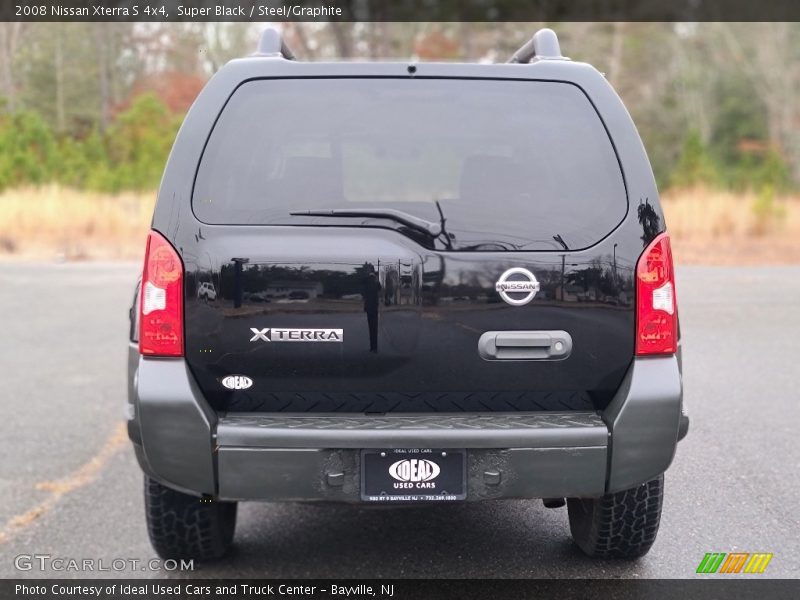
(181, 442)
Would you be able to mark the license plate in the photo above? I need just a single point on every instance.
(413, 475)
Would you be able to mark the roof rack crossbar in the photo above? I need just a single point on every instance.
(272, 44)
(543, 45)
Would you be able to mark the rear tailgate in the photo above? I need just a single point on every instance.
(299, 329)
(320, 307)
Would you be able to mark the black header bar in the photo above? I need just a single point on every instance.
(399, 10)
(732, 588)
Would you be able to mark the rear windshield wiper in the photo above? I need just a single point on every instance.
(427, 228)
(561, 241)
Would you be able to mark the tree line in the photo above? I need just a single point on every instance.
(96, 105)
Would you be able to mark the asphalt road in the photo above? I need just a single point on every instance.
(71, 487)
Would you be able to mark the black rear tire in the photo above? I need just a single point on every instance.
(619, 525)
(184, 526)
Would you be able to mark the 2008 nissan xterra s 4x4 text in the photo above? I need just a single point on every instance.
(432, 283)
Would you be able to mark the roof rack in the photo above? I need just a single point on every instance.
(542, 46)
(272, 44)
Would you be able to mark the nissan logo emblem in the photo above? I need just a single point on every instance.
(523, 287)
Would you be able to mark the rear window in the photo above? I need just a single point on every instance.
(484, 164)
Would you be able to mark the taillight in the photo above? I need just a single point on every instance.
(656, 307)
(161, 300)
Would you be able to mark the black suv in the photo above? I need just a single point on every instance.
(433, 283)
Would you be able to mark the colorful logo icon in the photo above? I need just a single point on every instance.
(735, 562)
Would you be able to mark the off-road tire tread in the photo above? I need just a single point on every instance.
(181, 526)
(619, 525)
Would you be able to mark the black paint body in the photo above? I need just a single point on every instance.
(433, 307)
(433, 304)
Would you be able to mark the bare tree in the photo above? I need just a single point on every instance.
(226, 41)
(769, 54)
(58, 62)
(343, 36)
(617, 47)
(296, 34)
(10, 35)
(101, 40)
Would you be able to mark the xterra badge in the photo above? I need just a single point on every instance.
(273, 334)
(523, 287)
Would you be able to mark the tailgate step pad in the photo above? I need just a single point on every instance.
(518, 430)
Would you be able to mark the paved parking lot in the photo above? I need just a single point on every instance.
(71, 487)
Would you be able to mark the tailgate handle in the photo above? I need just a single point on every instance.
(525, 345)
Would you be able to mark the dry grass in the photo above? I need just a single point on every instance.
(717, 227)
(54, 222)
(706, 226)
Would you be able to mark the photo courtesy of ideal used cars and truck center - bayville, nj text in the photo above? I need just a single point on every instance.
(399, 300)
